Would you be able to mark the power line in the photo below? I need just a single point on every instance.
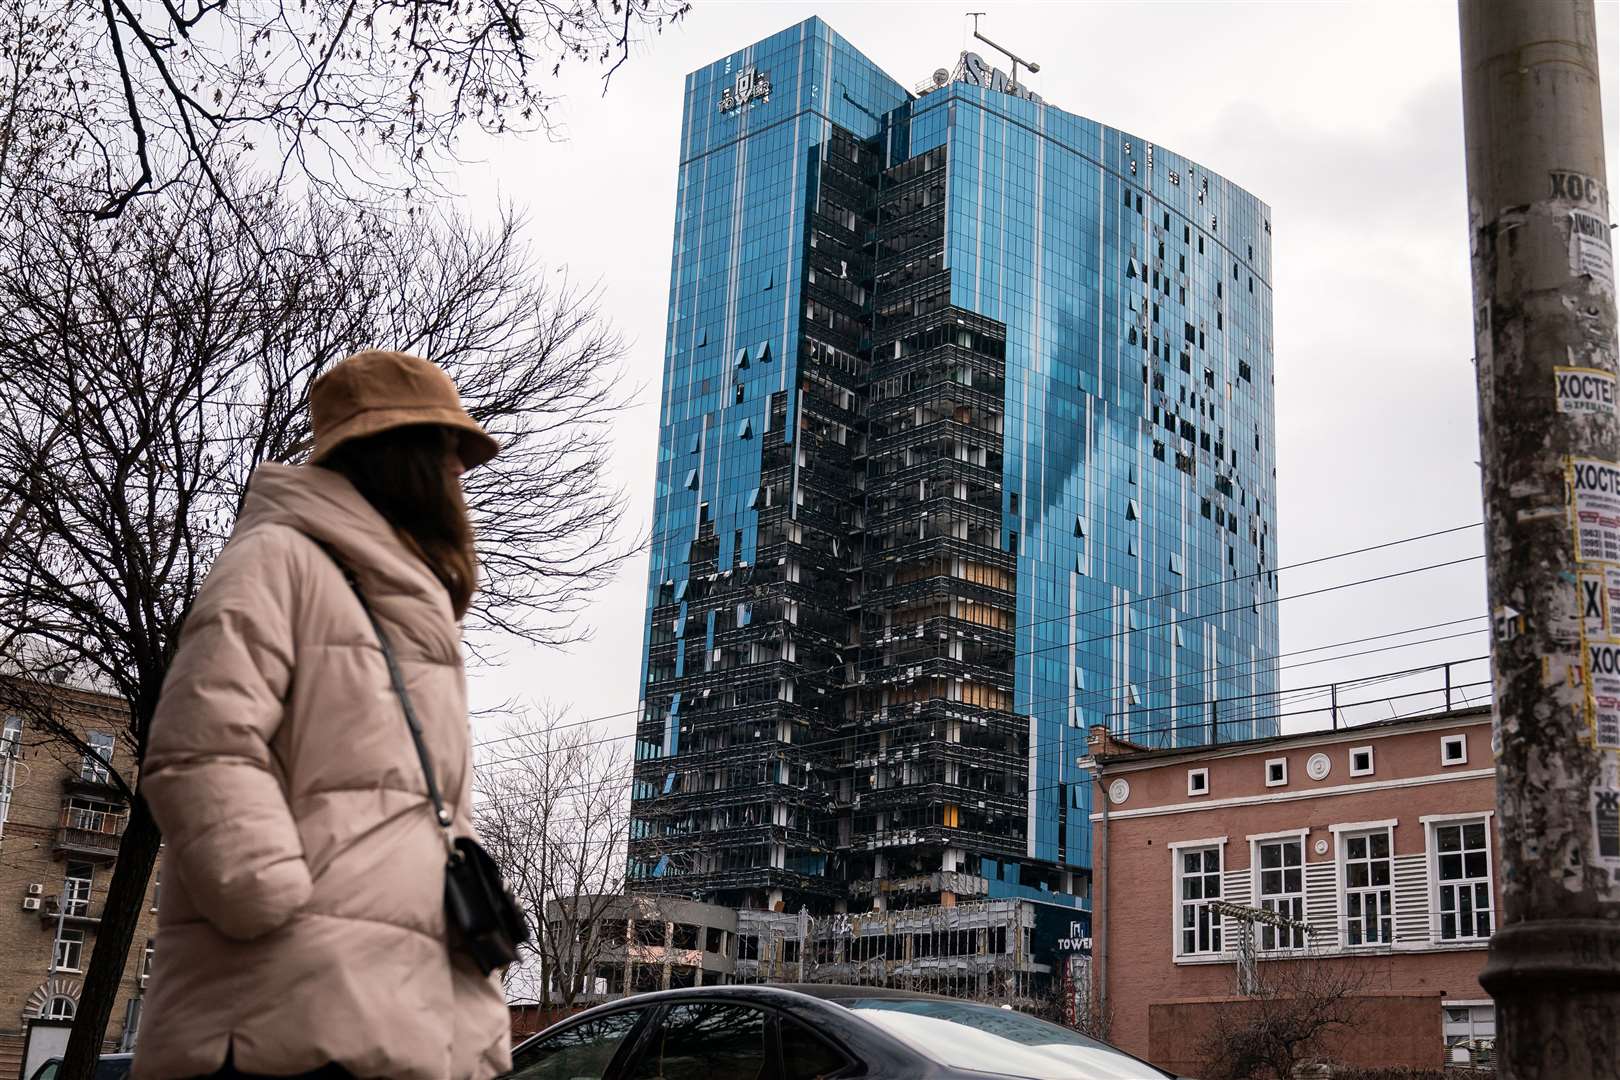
(1078, 614)
(1058, 751)
(1123, 633)
(511, 798)
(1052, 786)
(1109, 691)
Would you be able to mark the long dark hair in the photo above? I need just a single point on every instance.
(402, 473)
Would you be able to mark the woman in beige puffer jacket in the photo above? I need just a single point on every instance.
(302, 929)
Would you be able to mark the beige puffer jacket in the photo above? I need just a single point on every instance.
(302, 918)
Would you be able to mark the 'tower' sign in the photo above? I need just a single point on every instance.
(750, 85)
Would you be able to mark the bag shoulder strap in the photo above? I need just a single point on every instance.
(398, 679)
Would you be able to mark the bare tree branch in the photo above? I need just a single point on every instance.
(1302, 1002)
(554, 812)
(368, 97)
(154, 360)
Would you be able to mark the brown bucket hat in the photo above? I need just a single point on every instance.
(375, 390)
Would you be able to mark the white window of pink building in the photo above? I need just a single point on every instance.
(1198, 881)
(1460, 876)
(1367, 873)
(1280, 886)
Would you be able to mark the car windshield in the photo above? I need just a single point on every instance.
(967, 1036)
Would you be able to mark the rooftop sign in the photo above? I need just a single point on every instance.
(972, 69)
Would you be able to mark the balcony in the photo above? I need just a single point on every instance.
(78, 913)
(89, 829)
(92, 786)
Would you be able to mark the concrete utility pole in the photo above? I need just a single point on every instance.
(1544, 326)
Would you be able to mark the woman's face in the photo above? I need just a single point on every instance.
(452, 455)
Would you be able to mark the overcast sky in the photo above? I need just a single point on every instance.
(1345, 117)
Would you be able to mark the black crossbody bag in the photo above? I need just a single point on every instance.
(486, 922)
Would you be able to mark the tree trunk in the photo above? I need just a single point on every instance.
(126, 895)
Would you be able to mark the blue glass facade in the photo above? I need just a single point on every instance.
(966, 446)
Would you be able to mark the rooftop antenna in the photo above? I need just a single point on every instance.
(1008, 53)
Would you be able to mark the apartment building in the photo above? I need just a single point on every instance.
(1376, 845)
(61, 816)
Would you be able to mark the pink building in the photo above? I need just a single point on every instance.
(1379, 840)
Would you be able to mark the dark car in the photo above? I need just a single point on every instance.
(109, 1067)
(813, 1033)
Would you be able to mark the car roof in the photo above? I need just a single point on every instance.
(840, 992)
(782, 995)
(778, 993)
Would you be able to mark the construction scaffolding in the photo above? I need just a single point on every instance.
(978, 951)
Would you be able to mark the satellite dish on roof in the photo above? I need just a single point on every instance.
(941, 76)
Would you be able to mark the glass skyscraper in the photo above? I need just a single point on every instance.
(966, 448)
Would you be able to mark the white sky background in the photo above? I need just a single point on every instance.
(1345, 117)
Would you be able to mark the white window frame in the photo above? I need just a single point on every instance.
(1196, 774)
(95, 768)
(52, 1010)
(10, 751)
(1341, 836)
(1177, 850)
(76, 891)
(1256, 840)
(1472, 1004)
(1432, 853)
(1448, 741)
(1276, 761)
(57, 951)
(1372, 762)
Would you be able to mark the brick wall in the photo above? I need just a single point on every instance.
(1407, 1026)
(1136, 887)
(46, 775)
(529, 1019)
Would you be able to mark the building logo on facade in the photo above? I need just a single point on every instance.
(751, 85)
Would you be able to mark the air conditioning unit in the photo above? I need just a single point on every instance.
(30, 903)
(36, 889)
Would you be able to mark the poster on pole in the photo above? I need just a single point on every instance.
(1584, 391)
(1589, 252)
(1603, 669)
(1612, 607)
(1606, 823)
(1595, 604)
(1595, 493)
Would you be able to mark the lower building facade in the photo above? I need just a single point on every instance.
(1352, 870)
(1022, 953)
(62, 815)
